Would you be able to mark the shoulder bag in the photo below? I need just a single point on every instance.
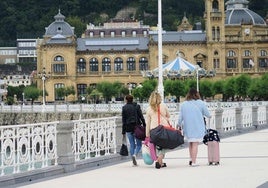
(166, 136)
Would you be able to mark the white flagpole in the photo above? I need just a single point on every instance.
(160, 59)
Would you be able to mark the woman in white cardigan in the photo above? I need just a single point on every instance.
(191, 119)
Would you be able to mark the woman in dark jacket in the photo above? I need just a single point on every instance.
(132, 116)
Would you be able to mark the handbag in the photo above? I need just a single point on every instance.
(166, 137)
(146, 155)
(151, 147)
(139, 132)
(211, 135)
(124, 149)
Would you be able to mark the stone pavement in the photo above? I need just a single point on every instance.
(244, 164)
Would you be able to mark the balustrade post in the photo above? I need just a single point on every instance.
(255, 122)
(266, 120)
(66, 156)
(118, 133)
(238, 117)
(218, 119)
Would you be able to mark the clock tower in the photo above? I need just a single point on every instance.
(215, 32)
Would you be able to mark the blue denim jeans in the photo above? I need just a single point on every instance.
(135, 144)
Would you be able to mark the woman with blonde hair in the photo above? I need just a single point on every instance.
(155, 105)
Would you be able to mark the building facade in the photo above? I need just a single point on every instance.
(235, 41)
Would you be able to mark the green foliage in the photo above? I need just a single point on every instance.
(206, 89)
(229, 88)
(15, 14)
(174, 88)
(32, 93)
(242, 84)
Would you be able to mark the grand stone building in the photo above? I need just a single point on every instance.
(235, 41)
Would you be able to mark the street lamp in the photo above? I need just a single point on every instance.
(44, 76)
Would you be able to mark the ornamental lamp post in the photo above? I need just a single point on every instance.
(44, 76)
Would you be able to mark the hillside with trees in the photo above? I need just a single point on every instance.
(28, 18)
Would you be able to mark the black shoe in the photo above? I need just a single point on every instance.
(164, 165)
(217, 163)
(210, 163)
(190, 163)
(157, 165)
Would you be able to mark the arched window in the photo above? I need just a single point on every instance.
(93, 65)
(106, 64)
(58, 58)
(215, 5)
(216, 60)
(118, 64)
(58, 66)
(131, 64)
(81, 65)
(143, 64)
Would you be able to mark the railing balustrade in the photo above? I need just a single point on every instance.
(35, 146)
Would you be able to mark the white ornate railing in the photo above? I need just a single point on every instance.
(27, 147)
(94, 138)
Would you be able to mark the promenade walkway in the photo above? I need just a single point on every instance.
(244, 164)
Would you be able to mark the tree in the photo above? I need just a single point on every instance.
(148, 86)
(229, 89)
(32, 93)
(217, 87)
(174, 88)
(242, 84)
(107, 89)
(79, 26)
(64, 92)
(253, 90)
(206, 88)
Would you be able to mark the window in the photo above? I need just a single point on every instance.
(81, 65)
(118, 64)
(231, 63)
(123, 33)
(247, 53)
(81, 89)
(112, 33)
(215, 5)
(56, 86)
(131, 64)
(246, 63)
(263, 59)
(216, 63)
(106, 64)
(58, 58)
(134, 33)
(93, 65)
(102, 34)
(231, 60)
(143, 64)
(58, 68)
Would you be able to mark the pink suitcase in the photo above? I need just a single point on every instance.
(213, 152)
